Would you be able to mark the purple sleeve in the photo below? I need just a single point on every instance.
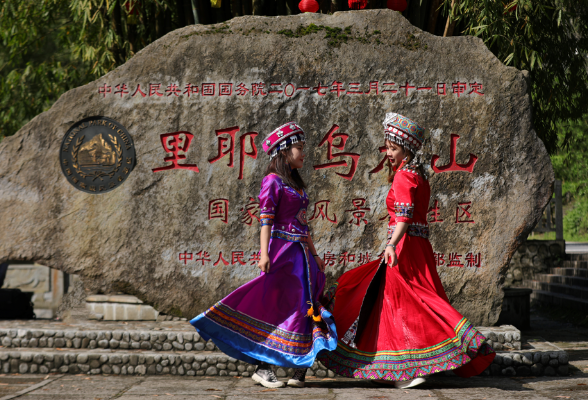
(269, 198)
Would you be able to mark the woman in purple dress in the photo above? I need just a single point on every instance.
(277, 318)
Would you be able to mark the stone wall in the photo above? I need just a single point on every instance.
(534, 257)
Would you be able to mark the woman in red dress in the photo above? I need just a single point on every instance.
(395, 320)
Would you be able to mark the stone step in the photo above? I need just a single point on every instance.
(155, 340)
(575, 264)
(577, 292)
(577, 257)
(543, 359)
(132, 362)
(563, 280)
(581, 272)
(560, 300)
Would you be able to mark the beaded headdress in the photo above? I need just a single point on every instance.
(404, 131)
(282, 137)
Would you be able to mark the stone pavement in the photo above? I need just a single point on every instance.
(84, 387)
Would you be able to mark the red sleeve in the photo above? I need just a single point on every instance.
(405, 185)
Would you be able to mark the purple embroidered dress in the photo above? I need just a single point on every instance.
(265, 319)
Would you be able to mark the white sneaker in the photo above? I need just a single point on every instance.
(409, 384)
(265, 376)
(298, 379)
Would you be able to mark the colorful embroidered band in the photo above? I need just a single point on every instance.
(403, 210)
(266, 219)
(290, 237)
(404, 131)
(282, 137)
(415, 229)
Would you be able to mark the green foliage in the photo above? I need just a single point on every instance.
(50, 46)
(571, 166)
(549, 38)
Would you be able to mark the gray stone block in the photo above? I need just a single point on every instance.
(23, 368)
(198, 346)
(553, 363)
(33, 368)
(141, 370)
(549, 371)
(211, 371)
(509, 371)
(563, 370)
(563, 358)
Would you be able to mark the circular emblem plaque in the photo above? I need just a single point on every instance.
(97, 155)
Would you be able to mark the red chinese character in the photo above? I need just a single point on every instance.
(455, 260)
(463, 214)
(337, 87)
(237, 257)
(386, 216)
(223, 147)
(345, 257)
(321, 209)
(275, 91)
(441, 89)
(225, 89)
(218, 208)
(190, 89)
(473, 260)
(458, 88)
(329, 138)
(373, 86)
(154, 89)
(453, 165)
(250, 211)
(329, 258)
(202, 256)
(380, 166)
(258, 89)
(104, 90)
(172, 144)
(476, 87)
(122, 89)
(172, 88)
(439, 259)
(244, 152)
(289, 90)
(138, 90)
(303, 88)
(364, 258)
(220, 259)
(381, 255)
(354, 88)
(255, 258)
(389, 90)
(358, 212)
(185, 257)
(407, 87)
(434, 214)
(241, 89)
(424, 88)
(208, 89)
(319, 89)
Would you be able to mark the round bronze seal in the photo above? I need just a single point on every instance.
(97, 155)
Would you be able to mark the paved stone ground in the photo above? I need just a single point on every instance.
(83, 387)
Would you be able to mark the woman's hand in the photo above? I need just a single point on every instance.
(390, 256)
(264, 263)
(320, 263)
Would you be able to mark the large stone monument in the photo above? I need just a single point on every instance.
(146, 180)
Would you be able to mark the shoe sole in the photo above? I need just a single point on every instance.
(265, 383)
(295, 383)
(413, 383)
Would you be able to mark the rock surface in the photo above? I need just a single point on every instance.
(132, 238)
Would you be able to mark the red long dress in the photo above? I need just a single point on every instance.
(396, 323)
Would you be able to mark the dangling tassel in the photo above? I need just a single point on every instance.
(314, 313)
(402, 164)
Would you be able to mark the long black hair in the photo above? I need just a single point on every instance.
(279, 166)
